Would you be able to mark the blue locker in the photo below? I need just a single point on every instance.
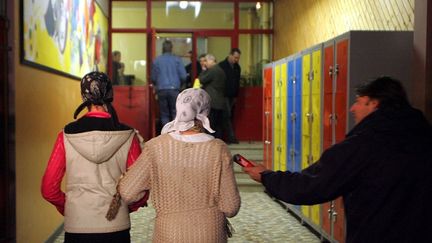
(290, 113)
(298, 112)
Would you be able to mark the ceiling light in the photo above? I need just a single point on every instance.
(183, 4)
(258, 5)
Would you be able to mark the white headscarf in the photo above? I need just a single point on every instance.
(191, 104)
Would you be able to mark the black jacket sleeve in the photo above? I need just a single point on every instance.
(331, 176)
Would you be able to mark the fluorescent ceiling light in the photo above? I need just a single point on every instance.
(183, 5)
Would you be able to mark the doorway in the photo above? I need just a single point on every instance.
(188, 46)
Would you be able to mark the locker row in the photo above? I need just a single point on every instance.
(306, 104)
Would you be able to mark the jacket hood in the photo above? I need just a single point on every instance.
(98, 146)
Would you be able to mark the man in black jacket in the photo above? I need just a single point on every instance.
(232, 72)
(383, 170)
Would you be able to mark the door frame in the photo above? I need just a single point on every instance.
(7, 123)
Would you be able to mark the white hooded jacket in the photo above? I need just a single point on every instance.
(95, 161)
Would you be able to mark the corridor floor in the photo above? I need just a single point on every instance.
(260, 220)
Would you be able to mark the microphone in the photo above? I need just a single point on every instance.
(242, 161)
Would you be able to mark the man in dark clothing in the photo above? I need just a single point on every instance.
(188, 68)
(213, 82)
(232, 72)
(116, 68)
(382, 170)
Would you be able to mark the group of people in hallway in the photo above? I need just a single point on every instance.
(220, 80)
(382, 170)
(110, 172)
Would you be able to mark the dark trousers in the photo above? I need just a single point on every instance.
(227, 120)
(112, 237)
(216, 122)
(167, 105)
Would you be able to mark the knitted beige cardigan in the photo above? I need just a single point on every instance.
(192, 188)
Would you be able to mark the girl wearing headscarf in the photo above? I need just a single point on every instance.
(190, 175)
(93, 152)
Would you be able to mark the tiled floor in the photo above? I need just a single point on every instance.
(260, 220)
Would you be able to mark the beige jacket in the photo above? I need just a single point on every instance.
(192, 187)
(94, 162)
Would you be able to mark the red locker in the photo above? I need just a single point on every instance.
(267, 114)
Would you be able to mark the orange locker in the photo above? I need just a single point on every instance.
(267, 114)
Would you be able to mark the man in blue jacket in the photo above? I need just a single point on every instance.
(167, 75)
(382, 170)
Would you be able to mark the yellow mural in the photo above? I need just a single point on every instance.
(69, 36)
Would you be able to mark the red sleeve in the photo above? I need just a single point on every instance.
(51, 181)
(134, 152)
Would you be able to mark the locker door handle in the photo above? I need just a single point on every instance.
(337, 69)
(267, 142)
(310, 159)
(267, 113)
(331, 71)
(334, 216)
(311, 75)
(309, 117)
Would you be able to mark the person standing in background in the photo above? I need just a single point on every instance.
(189, 78)
(167, 74)
(93, 152)
(202, 62)
(232, 72)
(213, 82)
(117, 68)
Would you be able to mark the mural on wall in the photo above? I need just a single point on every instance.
(65, 36)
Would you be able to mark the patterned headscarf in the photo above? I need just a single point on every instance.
(96, 89)
(191, 104)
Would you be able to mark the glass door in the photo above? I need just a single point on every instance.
(219, 46)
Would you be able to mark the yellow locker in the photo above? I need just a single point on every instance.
(283, 125)
(316, 82)
(277, 117)
(306, 131)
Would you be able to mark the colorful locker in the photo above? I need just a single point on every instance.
(267, 116)
(280, 115)
(291, 115)
(316, 142)
(294, 117)
(297, 80)
(294, 112)
(350, 59)
(305, 117)
(311, 118)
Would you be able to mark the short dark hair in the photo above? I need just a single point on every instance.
(234, 50)
(388, 91)
(115, 53)
(167, 46)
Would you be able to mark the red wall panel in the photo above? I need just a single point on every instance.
(248, 114)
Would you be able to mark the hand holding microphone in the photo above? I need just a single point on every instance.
(254, 170)
(242, 161)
